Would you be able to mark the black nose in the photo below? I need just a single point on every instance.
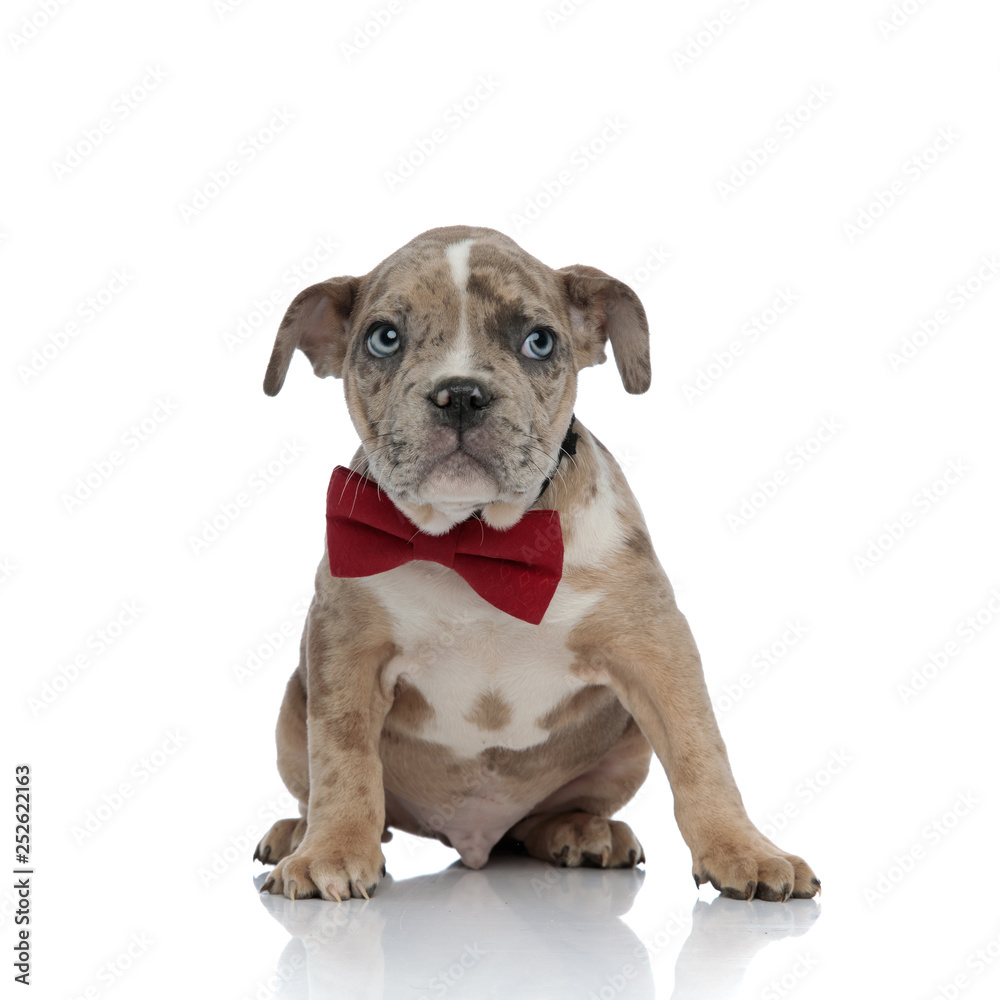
(460, 401)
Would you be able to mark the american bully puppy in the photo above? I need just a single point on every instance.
(493, 650)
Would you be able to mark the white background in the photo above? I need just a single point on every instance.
(152, 750)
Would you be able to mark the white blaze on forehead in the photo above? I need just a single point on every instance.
(458, 260)
(458, 359)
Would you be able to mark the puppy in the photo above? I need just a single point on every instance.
(493, 650)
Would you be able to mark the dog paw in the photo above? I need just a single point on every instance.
(330, 874)
(574, 840)
(283, 837)
(755, 870)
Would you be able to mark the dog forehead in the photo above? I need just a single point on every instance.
(413, 286)
(500, 272)
(436, 271)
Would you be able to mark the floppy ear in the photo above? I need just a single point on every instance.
(316, 323)
(603, 308)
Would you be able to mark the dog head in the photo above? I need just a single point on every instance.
(459, 355)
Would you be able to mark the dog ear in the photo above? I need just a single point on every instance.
(602, 309)
(316, 323)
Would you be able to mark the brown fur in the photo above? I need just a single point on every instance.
(490, 711)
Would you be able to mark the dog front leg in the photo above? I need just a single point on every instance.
(659, 679)
(340, 855)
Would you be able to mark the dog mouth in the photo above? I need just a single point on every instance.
(462, 474)
(459, 464)
(453, 471)
(440, 476)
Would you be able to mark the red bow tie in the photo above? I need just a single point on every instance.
(516, 570)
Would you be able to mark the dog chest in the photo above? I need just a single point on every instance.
(467, 675)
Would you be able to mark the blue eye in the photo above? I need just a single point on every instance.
(383, 340)
(539, 344)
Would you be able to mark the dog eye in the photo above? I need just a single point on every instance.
(383, 340)
(538, 344)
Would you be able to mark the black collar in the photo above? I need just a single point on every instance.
(568, 447)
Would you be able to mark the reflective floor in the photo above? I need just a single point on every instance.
(525, 930)
(521, 928)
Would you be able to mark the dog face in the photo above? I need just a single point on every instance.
(459, 355)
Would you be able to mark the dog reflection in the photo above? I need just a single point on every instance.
(516, 929)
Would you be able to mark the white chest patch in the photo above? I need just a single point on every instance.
(489, 678)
